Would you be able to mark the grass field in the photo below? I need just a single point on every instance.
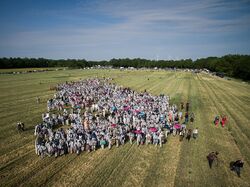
(175, 164)
(27, 69)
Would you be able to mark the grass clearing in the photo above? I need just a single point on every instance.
(175, 164)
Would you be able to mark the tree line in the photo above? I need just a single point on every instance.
(231, 65)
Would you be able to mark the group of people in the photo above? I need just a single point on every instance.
(234, 165)
(222, 120)
(213, 156)
(101, 114)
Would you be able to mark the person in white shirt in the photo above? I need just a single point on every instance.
(195, 133)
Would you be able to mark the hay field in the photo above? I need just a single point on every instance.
(175, 164)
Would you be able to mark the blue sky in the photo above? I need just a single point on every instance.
(105, 29)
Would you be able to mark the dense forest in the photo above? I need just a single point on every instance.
(231, 65)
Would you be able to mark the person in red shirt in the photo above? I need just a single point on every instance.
(216, 120)
(223, 121)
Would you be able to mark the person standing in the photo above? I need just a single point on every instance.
(189, 134)
(38, 100)
(195, 133)
(187, 106)
(223, 120)
(20, 126)
(192, 118)
(211, 157)
(180, 115)
(186, 118)
(216, 120)
(181, 135)
(182, 105)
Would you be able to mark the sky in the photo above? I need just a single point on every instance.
(106, 29)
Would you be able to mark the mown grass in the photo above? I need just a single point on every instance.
(28, 69)
(175, 164)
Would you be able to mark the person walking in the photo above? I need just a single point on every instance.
(236, 166)
(211, 157)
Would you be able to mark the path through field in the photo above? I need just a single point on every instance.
(175, 164)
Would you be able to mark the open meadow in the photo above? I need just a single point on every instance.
(175, 164)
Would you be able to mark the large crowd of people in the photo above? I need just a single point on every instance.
(101, 114)
(95, 113)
